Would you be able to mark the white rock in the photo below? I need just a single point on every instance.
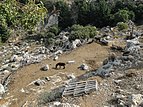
(58, 52)
(5, 66)
(2, 90)
(134, 41)
(75, 43)
(70, 62)
(65, 38)
(14, 58)
(6, 72)
(55, 58)
(71, 76)
(39, 82)
(14, 66)
(22, 90)
(136, 99)
(45, 67)
(120, 96)
(68, 105)
(57, 103)
(47, 78)
(19, 58)
(67, 82)
(117, 81)
(84, 67)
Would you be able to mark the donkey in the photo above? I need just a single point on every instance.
(60, 64)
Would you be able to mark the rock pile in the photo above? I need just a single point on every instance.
(59, 104)
(45, 67)
(131, 57)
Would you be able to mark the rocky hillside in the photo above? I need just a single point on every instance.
(103, 71)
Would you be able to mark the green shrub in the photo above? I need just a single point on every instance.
(80, 32)
(76, 27)
(54, 95)
(50, 35)
(122, 26)
(50, 41)
(123, 16)
(4, 34)
(54, 30)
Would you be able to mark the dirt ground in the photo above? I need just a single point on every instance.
(21, 91)
(92, 54)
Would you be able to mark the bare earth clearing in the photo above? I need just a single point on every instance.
(21, 92)
(92, 54)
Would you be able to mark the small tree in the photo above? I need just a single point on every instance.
(83, 11)
(65, 14)
(122, 25)
(54, 30)
(139, 12)
(123, 16)
(15, 16)
(103, 13)
(4, 34)
(80, 32)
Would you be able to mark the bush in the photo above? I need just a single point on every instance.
(4, 34)
(54, 30)
(49, 41)
(54, 95)
(122, 26)
(124, 16)
(80, 32)
(139, 12)
(48, 97)
(65, 19)
(76, 27)
(50, 35)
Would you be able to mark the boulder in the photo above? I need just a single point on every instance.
(71, 76)
(136, 99)
(103, 42)
(104, 72)
(84, 67)
(6, 72)
(39, 82)
(117, 81)
(134, 41)
(47, 78)
(45, 67)
(2, 90)
(14, 66)
(65, 38)
(55, 58)
(58, 52)
(57, 104)
(14, 58)
(76, 43)
(4, 67)
(43, 50)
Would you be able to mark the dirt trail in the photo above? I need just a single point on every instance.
(92, 54)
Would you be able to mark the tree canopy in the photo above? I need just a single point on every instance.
(14, 15)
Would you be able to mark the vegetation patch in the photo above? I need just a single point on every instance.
(54, 95)
(81, 32)
(122, 26)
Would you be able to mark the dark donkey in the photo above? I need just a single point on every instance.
(60, 64)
